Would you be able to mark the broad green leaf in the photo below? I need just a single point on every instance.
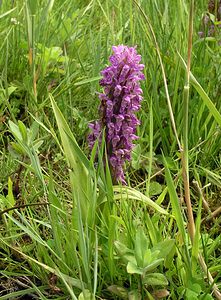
(191, 295)
(11, 89)
(147, 258)
(165, 248)
(141, 248)
(194, 287)
(18, 148)
(37, 145)
(10, 196)
(15, 130)
(125, 253)
(136, 153)
(118, 291)
(134, 269)
(77, 161)
(161, 197)
(152, 266)
(155, 188)
(75, 156)
(121, 248)
(129, 258)
(152, 230)
(86, 295)
(155, 279)
(128, 193)
(23, 131)
(206, 297)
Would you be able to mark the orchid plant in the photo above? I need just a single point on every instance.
(119, 102)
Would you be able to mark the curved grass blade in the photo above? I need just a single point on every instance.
(125, 193)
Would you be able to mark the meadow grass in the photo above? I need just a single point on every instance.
(66, 232)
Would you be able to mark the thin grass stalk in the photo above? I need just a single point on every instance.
(185, 155)
(30, 13)
(33, 57)
(151, 148)
(95, 264)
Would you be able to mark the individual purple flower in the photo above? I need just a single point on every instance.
(119, 103)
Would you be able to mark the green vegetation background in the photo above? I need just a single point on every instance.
(65, 231)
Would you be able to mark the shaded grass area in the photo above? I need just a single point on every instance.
(66, 232)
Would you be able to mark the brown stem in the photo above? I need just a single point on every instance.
(22, 206)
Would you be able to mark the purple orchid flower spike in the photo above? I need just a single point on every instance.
(119, 103)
